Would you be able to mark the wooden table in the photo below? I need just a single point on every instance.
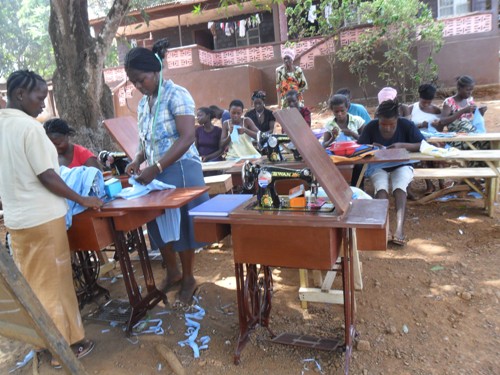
(490, 157)
(95, 230)
(493, 138)
(263, 238)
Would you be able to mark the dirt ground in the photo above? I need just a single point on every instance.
(429, 308)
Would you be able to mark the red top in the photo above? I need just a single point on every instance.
(306, 113)
(80, 156)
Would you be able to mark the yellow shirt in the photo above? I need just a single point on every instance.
(25, 153)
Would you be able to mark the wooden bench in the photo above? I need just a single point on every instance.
(461, 173)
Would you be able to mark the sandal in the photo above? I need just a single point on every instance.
(399, 241)
(80, 350)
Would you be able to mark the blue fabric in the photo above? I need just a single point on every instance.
(137, 190)
(86, 181)
(478, 122)
(183, 173)
(169, 222)
(359, 110)
(174, 101)
(225, 116)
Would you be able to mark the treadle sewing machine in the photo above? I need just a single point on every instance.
(313, 240)
(271, 144)
(266, 178)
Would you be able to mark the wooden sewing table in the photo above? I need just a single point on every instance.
(298, 239)
(95, 230)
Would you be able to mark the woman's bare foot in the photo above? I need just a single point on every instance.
(188, 287)
(430, 187)
(169, 283)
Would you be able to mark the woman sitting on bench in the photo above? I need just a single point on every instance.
(389, 130)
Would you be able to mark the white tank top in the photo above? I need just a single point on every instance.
(418, 116)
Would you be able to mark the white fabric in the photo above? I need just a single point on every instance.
(311, 17)
(25, 153)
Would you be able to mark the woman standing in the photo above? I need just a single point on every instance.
(289, 77)
(262, 117)
(167, 134)
(208, 136)
(34, 207)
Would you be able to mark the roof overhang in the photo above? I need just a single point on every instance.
(181, 14)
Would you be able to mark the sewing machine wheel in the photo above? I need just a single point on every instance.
(247, 175)
(258, 293)
(86, 266)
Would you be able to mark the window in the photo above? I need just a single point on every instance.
(447, 8)
(252, 36)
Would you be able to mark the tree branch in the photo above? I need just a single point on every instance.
(113, 20)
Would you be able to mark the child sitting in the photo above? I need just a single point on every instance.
(343, 126)
(292, 98)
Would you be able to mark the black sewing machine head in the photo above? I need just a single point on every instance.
(271, 144)
(115, 161)
(266, 177)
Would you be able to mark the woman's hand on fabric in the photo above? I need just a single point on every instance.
(91, 202)
(469, 109)
(423, 124)
(134, 168)
(350, 133)
(147, 175)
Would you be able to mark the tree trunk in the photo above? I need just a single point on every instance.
(82, 98)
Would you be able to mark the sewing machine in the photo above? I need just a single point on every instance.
(267, 176)
(271, 143)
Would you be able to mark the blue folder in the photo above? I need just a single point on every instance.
(220, 205)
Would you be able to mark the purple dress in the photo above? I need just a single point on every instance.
(208, 142)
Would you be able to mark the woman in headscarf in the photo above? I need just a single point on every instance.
(289, 77)
(166, 121)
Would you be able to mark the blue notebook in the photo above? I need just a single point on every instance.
(220, 205)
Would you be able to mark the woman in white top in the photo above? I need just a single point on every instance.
(423, 113)
(237, 134)
(426, 115)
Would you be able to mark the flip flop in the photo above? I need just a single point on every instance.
(83, 348)
(399, 241)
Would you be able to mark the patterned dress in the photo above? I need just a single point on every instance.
(286, 81)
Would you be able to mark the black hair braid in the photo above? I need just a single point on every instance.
(24, 79)
(338, 99)
(160, 47)
(465, 80)
(236, 103)
(388, 109)
(208, 112)
(57, 125)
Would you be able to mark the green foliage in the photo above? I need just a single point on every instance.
(394, 29)
(24, 38)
